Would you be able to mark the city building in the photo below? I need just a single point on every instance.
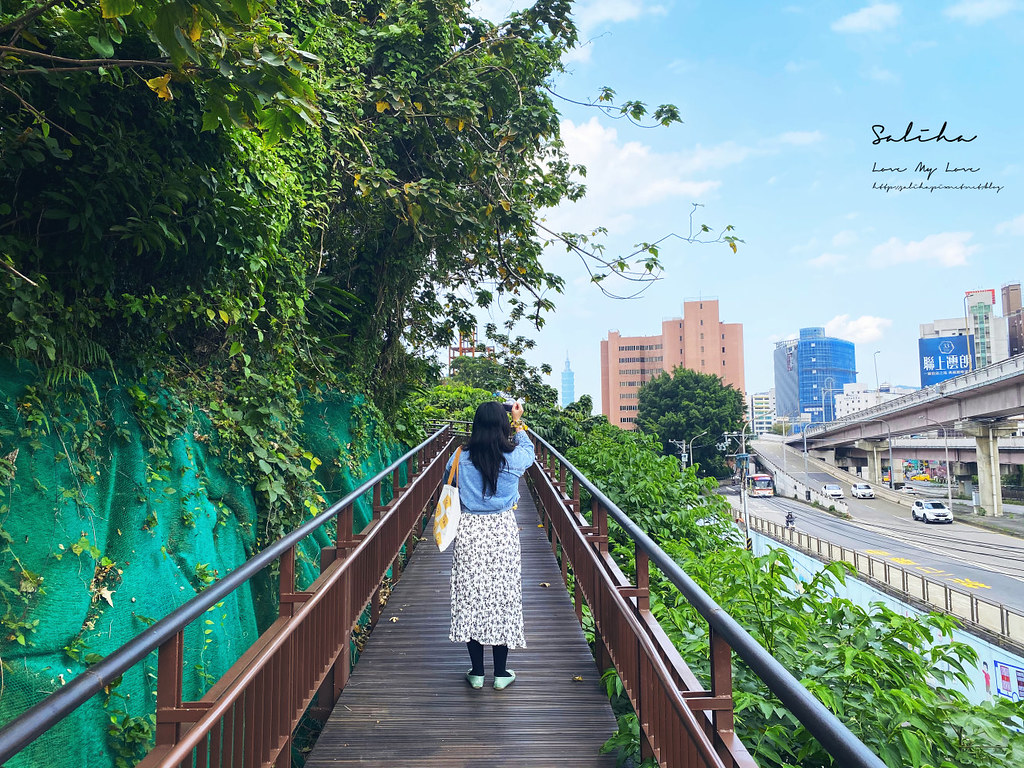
(568, 384)
(698, 341)
(761, 411)
(1013, 311)
(809, 372)
(857, 397)
(954, 346)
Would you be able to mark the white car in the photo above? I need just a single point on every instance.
(931, 511)
(832, 490)
(862, 491)
(906, 488)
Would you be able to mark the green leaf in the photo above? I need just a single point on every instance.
(103, 47)
(111, 9)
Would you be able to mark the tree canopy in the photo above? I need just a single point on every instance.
(688, 405)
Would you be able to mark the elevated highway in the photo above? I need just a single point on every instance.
(984, 405)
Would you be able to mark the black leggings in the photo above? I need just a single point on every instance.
(476, 655)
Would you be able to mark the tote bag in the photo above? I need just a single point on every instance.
(449, 510)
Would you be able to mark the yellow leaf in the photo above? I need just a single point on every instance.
(393, 619)
(489, 209)
(505, 204)
(382, 105)
(461, 124)
(224, 316)
(418, 105)
(545, 584)
(578, 678)
(357, 178)
(195, 31)
(160, 86)
(733, 246)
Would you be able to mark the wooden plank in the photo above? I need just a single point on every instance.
(407, 701)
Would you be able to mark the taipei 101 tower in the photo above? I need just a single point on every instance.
(568, 384)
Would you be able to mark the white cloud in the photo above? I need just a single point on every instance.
(1012, 227)
(827, 260)
(801, 138)
(859, 330)
(947, 249)
(844, 238)
(623, 177)
(881, 75)
(497, 10)
(794, 67)
(870, 19)
(979, 11)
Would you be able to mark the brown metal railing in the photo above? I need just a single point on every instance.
(248, 716)
(682, 724)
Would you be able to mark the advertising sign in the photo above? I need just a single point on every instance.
(1009, 680)
(945, 357)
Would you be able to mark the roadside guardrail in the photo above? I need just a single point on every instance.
(1004, 624)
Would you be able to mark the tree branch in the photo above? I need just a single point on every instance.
(16, 272)
(25, 19)
(81, 63)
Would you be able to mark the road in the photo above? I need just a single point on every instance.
(986, 563)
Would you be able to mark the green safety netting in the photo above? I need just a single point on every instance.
(95, 562)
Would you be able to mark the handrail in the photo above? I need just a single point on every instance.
(834, 736)
(33, 722)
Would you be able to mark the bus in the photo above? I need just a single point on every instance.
(760, 485)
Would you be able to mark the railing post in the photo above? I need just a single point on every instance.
(168, 689)
(286, 585)
(599, 520)
(643, 583)
(721, 684)
(377, 507)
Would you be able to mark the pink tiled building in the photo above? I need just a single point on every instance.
(698, 341)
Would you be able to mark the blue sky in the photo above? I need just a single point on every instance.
(778, 103)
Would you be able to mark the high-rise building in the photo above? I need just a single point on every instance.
(1013, 311)
(809, 372)
(987, 342)
(568, 384)
(762, 411)
(698, 341)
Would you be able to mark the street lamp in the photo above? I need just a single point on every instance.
(689, 451)
(743, 477)
(945, 445)
(829, 392)
(877, 387)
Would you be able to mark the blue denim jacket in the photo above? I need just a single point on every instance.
(471, 482)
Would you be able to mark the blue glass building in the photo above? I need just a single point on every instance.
(809, 372)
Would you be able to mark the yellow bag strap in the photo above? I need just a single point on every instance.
(455, 468)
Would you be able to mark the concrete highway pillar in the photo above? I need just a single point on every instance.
(873, 448)
(986, 436)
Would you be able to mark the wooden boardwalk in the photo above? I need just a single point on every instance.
(407, 702)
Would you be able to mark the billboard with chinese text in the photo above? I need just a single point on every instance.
(944, 357)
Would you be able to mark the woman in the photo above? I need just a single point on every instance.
(487, 574)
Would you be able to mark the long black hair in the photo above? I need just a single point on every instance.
(489, 441)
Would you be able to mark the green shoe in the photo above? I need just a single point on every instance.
(475, 681)
(501, 683)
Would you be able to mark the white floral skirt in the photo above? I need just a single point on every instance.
(487, 581)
